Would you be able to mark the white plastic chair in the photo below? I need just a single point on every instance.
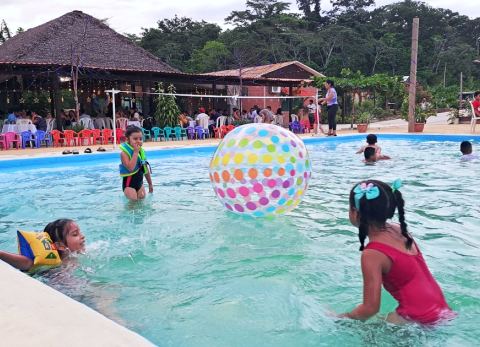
(23, 121)
(87, 123)
(99, 123)
(122, 123)
(473, 123)
(294, 117)
(221, 121)
(203, 122)
(258, 119)
(108, 122)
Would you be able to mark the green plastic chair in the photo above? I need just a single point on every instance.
(169, 133)
(158, 133)
(178, 133)
(184, 133)
(147, 135)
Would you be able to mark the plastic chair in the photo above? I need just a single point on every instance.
(70, 137)
(96, 135)
(183, 133)
(200, 132)
(41, 136)
(122, 123)
(3, 141)
(120, 135)
(296, 128)
(57, 138)
(12, 138)
(27, 137)
(108, 123)
(230, 128)
(99, 123)
(473, 122)
(147, 135)
(83, 135)
(191, 133)
(178, 133)
(220, 121)
(106, 136)
(169, 133)
(157, 133)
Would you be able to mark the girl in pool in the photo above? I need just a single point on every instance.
(392, 258)
(65, 234)
(134, 165)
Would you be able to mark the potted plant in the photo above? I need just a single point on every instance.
(421, 115)
(362, 120)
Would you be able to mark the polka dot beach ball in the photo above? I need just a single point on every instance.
(260, 170)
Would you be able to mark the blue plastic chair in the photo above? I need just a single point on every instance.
(147, 135)
(183, 133)
(191, 133)
(296, 127)
(42, 136)
(169, 133)
(200, 132)
(27, 136)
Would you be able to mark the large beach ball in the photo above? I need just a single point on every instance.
(260, 170)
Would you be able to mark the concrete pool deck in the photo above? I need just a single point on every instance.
(387, 127)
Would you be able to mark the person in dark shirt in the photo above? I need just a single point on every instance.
(39, 122)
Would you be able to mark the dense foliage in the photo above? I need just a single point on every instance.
(352, 35)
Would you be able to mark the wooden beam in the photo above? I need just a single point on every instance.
(413, 77)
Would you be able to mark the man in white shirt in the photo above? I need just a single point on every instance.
(312, 110)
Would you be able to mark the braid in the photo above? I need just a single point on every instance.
(401, 218)
(363, 226)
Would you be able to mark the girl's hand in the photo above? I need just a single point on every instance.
(136, 147)
(150, 188)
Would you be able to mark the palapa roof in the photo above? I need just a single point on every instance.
(79, 35)
(269, 71)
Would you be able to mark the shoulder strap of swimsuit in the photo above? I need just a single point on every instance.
(387, 250)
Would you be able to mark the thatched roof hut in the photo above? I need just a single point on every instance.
(77, 35)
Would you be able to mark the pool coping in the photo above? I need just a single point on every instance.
(47, 159)
(36, 314)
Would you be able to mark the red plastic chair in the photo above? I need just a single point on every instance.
(96, 136)
(223, 131)
(107, 135)
(70, 137)
(230, 128)
(120, 135)
(12, 138)
(57, 138)
(84, 135)
(3, 141)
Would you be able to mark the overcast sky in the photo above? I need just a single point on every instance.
(127, 16)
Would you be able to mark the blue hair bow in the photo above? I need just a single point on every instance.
(370, 191)
(396, 185)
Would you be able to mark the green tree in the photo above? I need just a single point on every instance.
(166, 111)
(211, 57)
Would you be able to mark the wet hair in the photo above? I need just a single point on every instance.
(131, 129)
(466, 147)
(57, 230)
(377, 211)
(369, 152)
(476, 93)
(371, 139)
(330, 82)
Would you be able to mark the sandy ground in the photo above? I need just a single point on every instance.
(437, 126)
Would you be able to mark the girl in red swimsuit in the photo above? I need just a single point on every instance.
(392, 258)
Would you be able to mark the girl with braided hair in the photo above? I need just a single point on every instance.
(392, 258)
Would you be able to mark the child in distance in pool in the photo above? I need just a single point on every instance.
(64, 233)
(371, 156)
(372, 143)
(466, 149)
(134, 165)
(392, 258)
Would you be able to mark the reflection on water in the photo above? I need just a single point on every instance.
(184, 272)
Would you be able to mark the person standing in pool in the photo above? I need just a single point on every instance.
(134, 165)
(332, 107)
(392, 258)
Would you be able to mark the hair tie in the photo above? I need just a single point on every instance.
(396, 185)
(370, 191)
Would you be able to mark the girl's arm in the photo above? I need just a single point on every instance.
(361, 150)
(16, 260)
(129, 163)
(150, 183)
(372, 264)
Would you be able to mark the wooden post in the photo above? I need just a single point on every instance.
(413, 76)
(460, 98)
(56, 102)
(290, 104)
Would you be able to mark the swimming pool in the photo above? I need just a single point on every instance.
(183, 272)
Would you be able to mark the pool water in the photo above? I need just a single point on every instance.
(181, 271)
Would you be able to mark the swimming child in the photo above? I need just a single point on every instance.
(64, 233)
(392, 258)
(372, 142)
(134, 165)
(371, 156)
(466, 149)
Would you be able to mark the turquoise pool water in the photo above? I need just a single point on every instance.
(181, 271)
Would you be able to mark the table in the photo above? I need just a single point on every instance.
(18, 128)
